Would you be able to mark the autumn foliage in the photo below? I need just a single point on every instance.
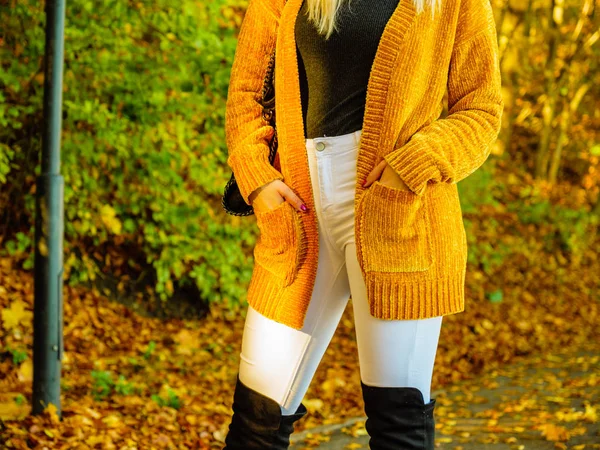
(144, 161)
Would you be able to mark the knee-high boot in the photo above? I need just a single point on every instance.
(398, 418)
(257, 421)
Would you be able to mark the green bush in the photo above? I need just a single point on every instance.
(573, 230)
(480, 188)
(143, 145)
(488, 255)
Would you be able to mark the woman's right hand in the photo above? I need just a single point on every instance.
(273, 194)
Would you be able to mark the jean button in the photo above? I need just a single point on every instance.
(320, 146)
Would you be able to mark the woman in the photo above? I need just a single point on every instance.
(363, 202)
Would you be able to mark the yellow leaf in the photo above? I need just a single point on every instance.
(191, 419)
(554, 432)
(110, 219)
(313, 404)
(591, 415)
(26, 371)
(487, 324)
(112, 421)
(10, 410)
(187, 341)
(219, 435)
(570, 416)
(93, 413)
(15, 315)
(52, 412)
(95, 439)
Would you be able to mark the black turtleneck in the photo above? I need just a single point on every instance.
(334, 73)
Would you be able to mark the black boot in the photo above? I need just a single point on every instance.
(257, 422)
(398, 418)
(286, 428)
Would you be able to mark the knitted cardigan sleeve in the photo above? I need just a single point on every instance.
(450, 149)
(247, 133)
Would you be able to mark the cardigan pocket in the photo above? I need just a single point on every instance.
(277, 248)
(393, 232)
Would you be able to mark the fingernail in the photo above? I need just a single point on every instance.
(364, 182)
(303, 207)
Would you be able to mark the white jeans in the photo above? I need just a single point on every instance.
(279, 361)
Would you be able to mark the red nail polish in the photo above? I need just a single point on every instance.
(303, 207)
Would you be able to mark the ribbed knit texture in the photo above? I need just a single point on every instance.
(411, 245)
(334, 72)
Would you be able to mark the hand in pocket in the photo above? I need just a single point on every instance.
(386, 175)
(271, 195)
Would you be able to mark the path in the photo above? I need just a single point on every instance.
(548, 402)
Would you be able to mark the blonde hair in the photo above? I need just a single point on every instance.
(324, 13)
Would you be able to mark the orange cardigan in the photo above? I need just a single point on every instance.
(411, 244)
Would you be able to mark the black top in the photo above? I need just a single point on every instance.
(334, 73)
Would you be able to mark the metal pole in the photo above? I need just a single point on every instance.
(49, 225)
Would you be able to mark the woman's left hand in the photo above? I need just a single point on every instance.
(384, 173)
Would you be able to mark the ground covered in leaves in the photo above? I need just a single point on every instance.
(134, 382)
(537, 402)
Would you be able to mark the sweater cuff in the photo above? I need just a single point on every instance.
(252, 171)
(413, 165)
